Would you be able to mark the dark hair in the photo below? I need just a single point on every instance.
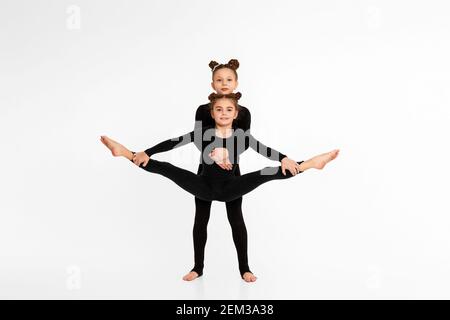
(213, 97)
(233, 64)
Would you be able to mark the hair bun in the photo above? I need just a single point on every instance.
(233, 64)
(212, 96)
(213, 64)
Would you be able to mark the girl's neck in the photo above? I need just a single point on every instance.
(224, 131)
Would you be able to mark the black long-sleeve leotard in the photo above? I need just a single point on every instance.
(214, 183)
(234, 207)
(203, 119)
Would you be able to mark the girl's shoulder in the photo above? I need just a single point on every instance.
(244, 109)
(202, 114)
(203, 108)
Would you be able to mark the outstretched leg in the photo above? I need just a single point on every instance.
(186, 179)
(242, 185)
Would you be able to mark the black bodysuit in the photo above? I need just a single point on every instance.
(233, 208)
(214, 183)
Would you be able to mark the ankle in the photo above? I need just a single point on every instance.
(199, 272)
(305, 165)
(129, 154)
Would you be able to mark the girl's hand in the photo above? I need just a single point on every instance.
(220, 156)
(141, 157)
(290, 165)
(226, 165)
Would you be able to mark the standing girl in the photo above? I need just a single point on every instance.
(224, 81)
(214, 183)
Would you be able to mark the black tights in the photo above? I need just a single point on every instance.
(229, 190)
(215, 188)
(238, 229)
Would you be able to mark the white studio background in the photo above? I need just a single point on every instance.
(368, 77)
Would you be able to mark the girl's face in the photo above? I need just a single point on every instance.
(224, 81)
(224, 112)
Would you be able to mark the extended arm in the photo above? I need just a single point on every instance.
(286, 164)
(171, 144)
(262, 149)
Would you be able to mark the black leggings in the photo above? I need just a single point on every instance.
(220, 189)
(207, 189)
(238, 229)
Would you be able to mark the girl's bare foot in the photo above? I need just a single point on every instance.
(249, 277)
(318, 162)
(190, 276)
(116, 148)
